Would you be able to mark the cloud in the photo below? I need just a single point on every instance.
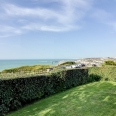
(13, 10)
(7, 31)
(65, 17)
(5, 36)
(43, 27)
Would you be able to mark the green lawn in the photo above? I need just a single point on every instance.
(94, 99)
(106, 72)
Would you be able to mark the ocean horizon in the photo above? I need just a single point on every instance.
(13, 63)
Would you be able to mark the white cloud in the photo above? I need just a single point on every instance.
(5, 36)
(43, 27)
(64, 18)
(61, 16)
(53, 28)
(13, 10)
(6, 28)
(7, 31)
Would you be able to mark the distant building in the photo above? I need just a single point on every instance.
(68, 67)
(49, 69)
(94, 65)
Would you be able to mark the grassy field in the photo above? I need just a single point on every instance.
(34, 68)
(106, 72)
(94, 99)
(24, 71)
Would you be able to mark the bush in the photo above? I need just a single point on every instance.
(94, 77)
(15, 93)
(110, 62)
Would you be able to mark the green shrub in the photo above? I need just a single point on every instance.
(94, 77)
(15, 93)
(110, 62)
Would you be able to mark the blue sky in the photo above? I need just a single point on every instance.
(57, 29)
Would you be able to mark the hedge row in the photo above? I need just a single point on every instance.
(14, 93)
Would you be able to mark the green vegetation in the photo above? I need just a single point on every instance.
(67, 63)
(110, 62)
(25, 69)
(105, 73)
(94, 99)
(94, 78)
(15, 93)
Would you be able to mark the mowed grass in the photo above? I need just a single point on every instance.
(94, 99)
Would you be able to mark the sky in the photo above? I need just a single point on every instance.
(57, 29)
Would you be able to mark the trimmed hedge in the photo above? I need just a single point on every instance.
(14, 93)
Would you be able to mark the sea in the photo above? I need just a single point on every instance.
(8, 64)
